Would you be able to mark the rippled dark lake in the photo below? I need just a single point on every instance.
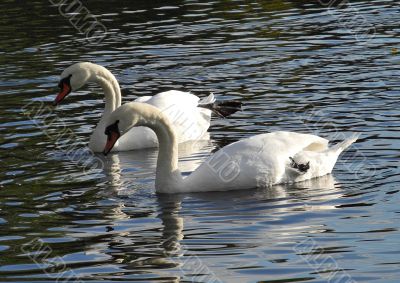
(307, 66)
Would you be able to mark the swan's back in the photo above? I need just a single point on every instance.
(166, 99)
(256, 161)
(190, 122)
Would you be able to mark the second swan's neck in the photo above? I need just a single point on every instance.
(168, 175)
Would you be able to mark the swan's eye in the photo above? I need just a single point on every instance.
(112, 128)
(107, 131)
(64, 80)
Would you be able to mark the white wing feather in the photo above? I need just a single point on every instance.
(190, 121)
(264, 160)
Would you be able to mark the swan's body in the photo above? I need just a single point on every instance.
(190, 121)
(261, 160)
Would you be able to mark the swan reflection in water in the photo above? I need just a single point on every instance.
(186, 218)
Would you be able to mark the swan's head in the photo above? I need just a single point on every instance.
(127, 116)
(73, 78)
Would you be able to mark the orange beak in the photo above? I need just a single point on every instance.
(64, 92)
(111, 140)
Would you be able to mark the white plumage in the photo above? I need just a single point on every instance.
(261, 160)
(190, 121)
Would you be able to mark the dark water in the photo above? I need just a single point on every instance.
(296, 65)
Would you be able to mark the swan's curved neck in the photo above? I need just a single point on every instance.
(168, 175)
(111, 90)
(112, 94)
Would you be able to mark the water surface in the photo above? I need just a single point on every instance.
(296, 66)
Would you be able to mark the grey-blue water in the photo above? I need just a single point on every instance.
(322, 68)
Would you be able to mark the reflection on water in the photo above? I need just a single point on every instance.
(295, 65)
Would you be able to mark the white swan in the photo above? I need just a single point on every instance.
(190, 116)
(261, 160)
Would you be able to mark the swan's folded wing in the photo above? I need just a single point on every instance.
(255, 161)
(170, 98)
(143, 99)
(190, 122)
(294, 142)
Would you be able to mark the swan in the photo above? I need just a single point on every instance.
(258, 161)
(190, 116)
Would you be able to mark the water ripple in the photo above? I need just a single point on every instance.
(295, 65)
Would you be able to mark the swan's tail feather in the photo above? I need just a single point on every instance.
(223, 108)
(345, 144)
(207, 100)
